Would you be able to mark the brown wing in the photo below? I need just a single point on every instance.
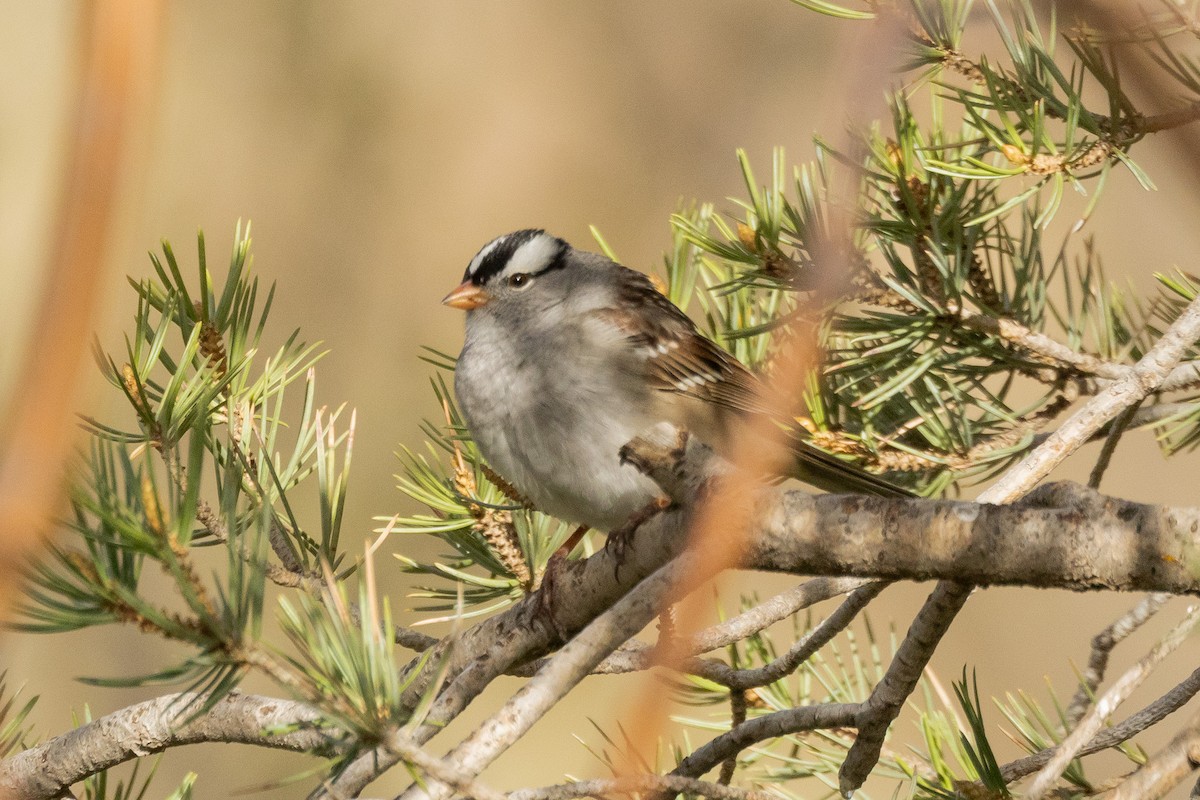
(680, 359)
(683, 361)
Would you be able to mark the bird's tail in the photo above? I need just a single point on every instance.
(826, 471)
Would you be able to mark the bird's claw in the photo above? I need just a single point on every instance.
(620, 539)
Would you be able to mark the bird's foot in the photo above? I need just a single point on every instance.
(621, 538)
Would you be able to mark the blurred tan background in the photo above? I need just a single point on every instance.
(376, 146)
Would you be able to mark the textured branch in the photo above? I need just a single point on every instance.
(1064, 536)
(885, 702)
(1145, 416)
(47, 770)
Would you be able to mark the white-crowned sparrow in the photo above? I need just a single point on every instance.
(569, 355)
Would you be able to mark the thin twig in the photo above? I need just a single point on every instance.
(1115, 429)
(767, 613)
(769, 726)
(1107, 704)
(1145, 417)
(737, 715)
(1041, 345)
(798, 653)
(1144, 719)
(1103, 644)
(1146, 376)
(636, 656)
(1183, 376)
(286, 575)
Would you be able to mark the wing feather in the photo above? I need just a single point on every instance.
(681, 360)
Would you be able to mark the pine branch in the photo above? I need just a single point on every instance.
(806, 534)
(49, 769)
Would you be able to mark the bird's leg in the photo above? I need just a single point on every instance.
(551, 577)
(620, 538)
(570, 544)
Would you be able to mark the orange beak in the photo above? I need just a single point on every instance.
(467, 296)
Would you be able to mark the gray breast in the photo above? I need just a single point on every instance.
(553, 432)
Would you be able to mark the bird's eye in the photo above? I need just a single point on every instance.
(520, 280)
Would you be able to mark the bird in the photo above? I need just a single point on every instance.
(568, 355)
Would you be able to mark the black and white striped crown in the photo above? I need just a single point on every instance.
(531, 251)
